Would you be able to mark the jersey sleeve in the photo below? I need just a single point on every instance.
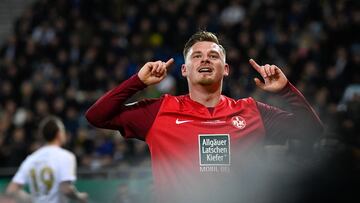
(67, 167)
(21, 175)
(300, 122)
(111, 112)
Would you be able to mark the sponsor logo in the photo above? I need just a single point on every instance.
(238, 122)
(182, 121)
(214, 149)
(215, 169)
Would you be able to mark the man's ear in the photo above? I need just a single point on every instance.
(226, 69)
(184, 71)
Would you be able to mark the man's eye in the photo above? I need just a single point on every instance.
(197, 56)
(213, 56)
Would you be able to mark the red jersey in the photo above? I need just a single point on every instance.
(189, 142)
(187, 138)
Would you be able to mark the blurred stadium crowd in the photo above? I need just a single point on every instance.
(63, 54)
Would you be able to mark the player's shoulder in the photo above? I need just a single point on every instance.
(35, 154)
(172, 103)
(246, 100)
(177, 98)
(27, 160)
(176, 101)
(58, 152)
(64, 156)
(33, 157)
(171, 99)
(66, 152)
(169, 96)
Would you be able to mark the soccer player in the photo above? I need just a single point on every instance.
(202, 135)
(49, 171)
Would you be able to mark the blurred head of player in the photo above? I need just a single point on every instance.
(53, 131)
(204, 61)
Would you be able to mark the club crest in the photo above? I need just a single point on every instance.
(238, 122)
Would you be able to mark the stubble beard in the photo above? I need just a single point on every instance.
(206, 81)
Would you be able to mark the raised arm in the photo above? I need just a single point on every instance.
(110, 111)
(300, 121)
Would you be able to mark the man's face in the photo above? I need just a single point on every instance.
(205, 64)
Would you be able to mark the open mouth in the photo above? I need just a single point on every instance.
(205, 70)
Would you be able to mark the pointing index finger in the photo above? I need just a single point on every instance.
(255, 65)
(169, 63)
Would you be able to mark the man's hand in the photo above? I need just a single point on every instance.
(14, 190)
(69, 190)
(154, 72)
(274, 78)
(83, 197)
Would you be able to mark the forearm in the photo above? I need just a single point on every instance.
(305, 116)
(15, 191)
(133, 121)
(70, 191)
(301, 121)
(72, 194)
(112, 103)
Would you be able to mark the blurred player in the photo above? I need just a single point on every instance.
(198, 140)
(50, 171)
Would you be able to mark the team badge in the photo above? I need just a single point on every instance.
(238, 122)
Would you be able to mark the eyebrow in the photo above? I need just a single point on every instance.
(214, 52)
(196, 52)
(211, 52)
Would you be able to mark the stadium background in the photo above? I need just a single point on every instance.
(58, 56)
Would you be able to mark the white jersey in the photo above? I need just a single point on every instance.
(44, 170)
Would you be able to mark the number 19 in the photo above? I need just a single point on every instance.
(46, 177)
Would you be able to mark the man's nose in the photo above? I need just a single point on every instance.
(205, 59)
